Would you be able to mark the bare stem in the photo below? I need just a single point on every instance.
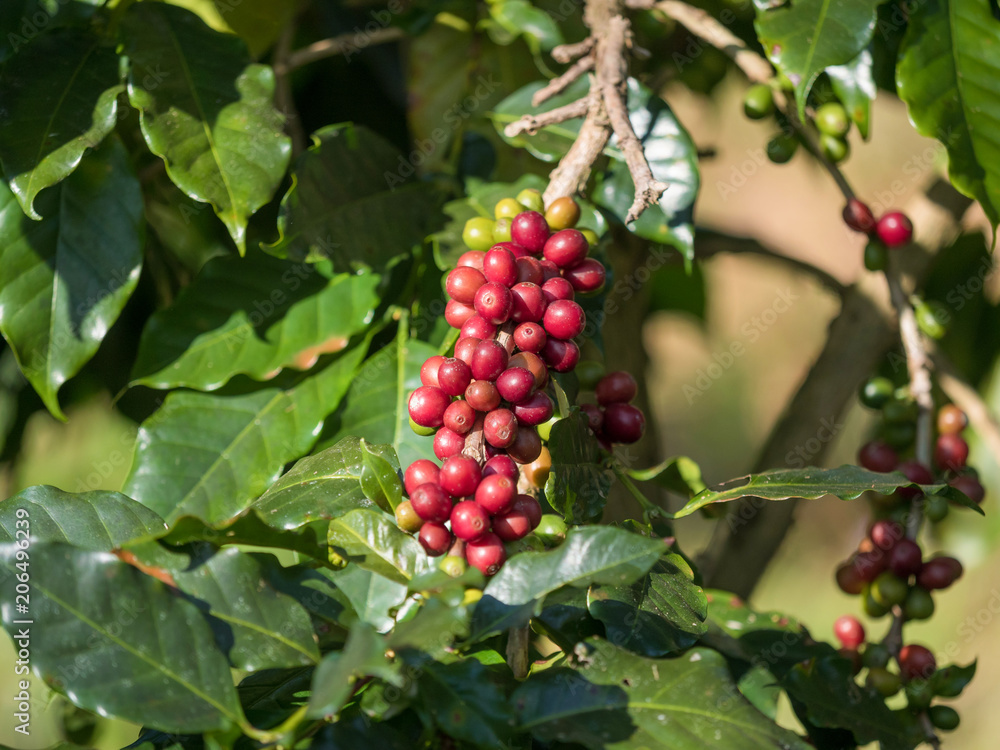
(334, 46)
(531, 124)
(561, 83)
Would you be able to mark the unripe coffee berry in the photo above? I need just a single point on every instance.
(562, 213)
(951, 420)
(566, 248)
(486, 554)
(463, 282)
(469, 520)
(531, 199)
(500, 428)
(529, 229)
(448, 443)
(616, 387)
(849, 631)
(407, 518)
(919, 604)
(507, 208)
(421, 471)
(431, 503)
(537, 472)
(894, 229)
(496, 493)
(478, 233)
(460, 476)
(435, 538)
(426, 406)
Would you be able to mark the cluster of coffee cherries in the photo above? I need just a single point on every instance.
(613, 419)
(512, 298)
(891, 230)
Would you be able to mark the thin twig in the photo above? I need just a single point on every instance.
(966, 398)
(283, 98)
(566, 53)
(337, 45)
(531, 124)
(560, 83)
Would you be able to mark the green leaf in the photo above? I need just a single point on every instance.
(121, 643)
(258, 22)
(335, 677)
(252, 316)
(60, 98)
(326, 485)
(847, 482)
(854, 85)
(662, 612)
(950, 681)
(99, 520)
(521, 18)
(371, 540)
(257, 626)
(578, 483)
(806, 37)
(206, 111)
(249, 528)
(593, 554)
(947, 74)
(66, 278)
(551, 142)
(209, 456)
(380, 480)
(466, 700)
(351, 201)
(732, 616)
(373, 596)
(375, 406)
(679, 474)
(615, 699)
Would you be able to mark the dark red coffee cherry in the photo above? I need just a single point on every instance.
(518, 251)
(594, 415)
(464, 349)
(459, 417)
(894, 229)
(527, 446)
(885, 533)
(970, 486)
(529, 270)
(489, 360)
(529, 506)
(454, 376)
(512, 525)
(448, 443)
(560, 355)
(500, 428)
(549, 270)
(848, 630)
(482, 395)
(915, 472)
(905, 559)
(429, 371)
(469, 520)
(496, 493)
(587, 276)
(616, 388)
(566, 248)
(486, 554)
(534, 410)
(427, 405)
(858, 216)
(530, 230)
(951, 452)
(494, 303)
(869, 565)
(471, 258)
(500, 266)
(529, 302)
(530, 337)
(939, 573)
(460, 476)
(623, 423)
(916, 662)
(435, 538)
(564, 319)
(533, 364)
(848, 579)
(556, 289)
(456, 314)
(478, 328)
(878, 456)
(421, 471)
(515, 384)
(463, 282)
(431, 503)
(504, 466)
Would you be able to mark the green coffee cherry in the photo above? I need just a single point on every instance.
(876, 392)
(929, 321)
(833, 148)
(876, 256)
(897, 411)
(935, 508)
(888, 589)
(453, 566)
(919, 604)
(872, 607)
(944, 717)
(781, 148)
(507, 208)
(422, 431)
(832, 119)
(551, 529)
(501, 231)
(591, 236)
(478, 233)
(899, 435)
(531, 199)
(919, 694)
(884, 681)
(876, 656)
(589, 372)
(758, 102)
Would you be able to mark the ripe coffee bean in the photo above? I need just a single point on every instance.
(427, 405)
(594, 415)
(564, 319)
(448, 443)
(435, 538)
(529, 229)
(421, 471)
(429, 371)
(970, 486)
(848, 579)
(460, 476)
(951, 452)
(905, 559)
(486, 554)
(951, 420)
(464, 349)
(858, 216)
(504, 466)
(530, 337)
(430, 502)
(469, 521)
(513, 248)
(500, 266)
(493, 303)
(529, 506)
(534, 410)
(528, 302)
(489, 360)
(512, 525)
(916, 661)
(560, 355)
(527, 446)
(463, 282)
(894, 229)
(849, 631)
(869, 565)
(616, 388)
(471, 258)
(562, 213)
(915, 472)
(515, 384)
(500, 428)
(885, 533)
(496, 493)
(623, 423)
(557, 289)
(877, 456)
(939, 573)
(549, 270)
(482, 395)
(587, 276)
(407, 518)
(533, 364)
(530, 270)
(454, 376)
(478, 328)
(459, 417)
(456, 314)
(566, 248)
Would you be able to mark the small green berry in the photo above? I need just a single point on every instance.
(781, 148)
(888, 589)
(478, 233)
(944, 717)
(758, 102)
(507, 208)
(876, 256)
(935, 508)
(875, 656)
(884, 681)
(876, 392)
(531, 199)
(420, 430)
(832, 119)
(833, 148)
(551, 529)
(919, 604)
(501, 231)
(919, 694)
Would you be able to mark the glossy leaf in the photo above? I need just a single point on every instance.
(521, 18)
(615, 699)
(209, 456)
(808, 36)
(206, 111)
(662, 612)
(590, 555)
(99, 520)
(371, 540)
(323, 486)
(258, 22)
(249, 528)
(380, 479)
(252, 316)
(679, 474)
(121, 643)
(854, 85)
(578, 483)
(352, 201)
(65, 279)
(60, 98)
(847, 482)
(373, 596)
(551, 142)
(947, 74)
(466, 700)
(335, 677)
(257, 626)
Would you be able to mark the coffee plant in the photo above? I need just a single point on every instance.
(389, 376)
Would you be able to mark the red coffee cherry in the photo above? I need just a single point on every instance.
(469, 521)
(905, 559)
(885, 533)
(494, 303)
(435, 538)
(594, 415)
(951, 420)
(566, 248)
(429, 371)
(427, 405)
(460, 476)
(504, 466)
(530, 337)
(916, 661)
(951, 452)
(515, 384)
(849, 580)
(869, 565)
(486, 554)
(421, 471)
(478, 328)
(527, 446)
(623, 423)
(549, 270)
(512, 525)
(456, 314)
(858, 216)
(970, 486)
(939, 573)
(489, 360)
(556, 289)
(564, 319)
(587, 276)
(529, 506)
(849, 631)
(431, 503)
(471, 258)
(528, 302)
(483, 396)
(534, 410)
(500, 266)
(454, 376)
(894, 229)
(878, 456)
(448, 443)
(529, 271)
(496, 493)
(463, 282)
(518, 251)
(616, 388)
(459, 417)
(500, 428)
(533, 364)
(530, 230)
(464, 349)
(915, 472)
(560, 355)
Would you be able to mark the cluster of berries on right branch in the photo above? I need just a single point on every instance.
(891, 230)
